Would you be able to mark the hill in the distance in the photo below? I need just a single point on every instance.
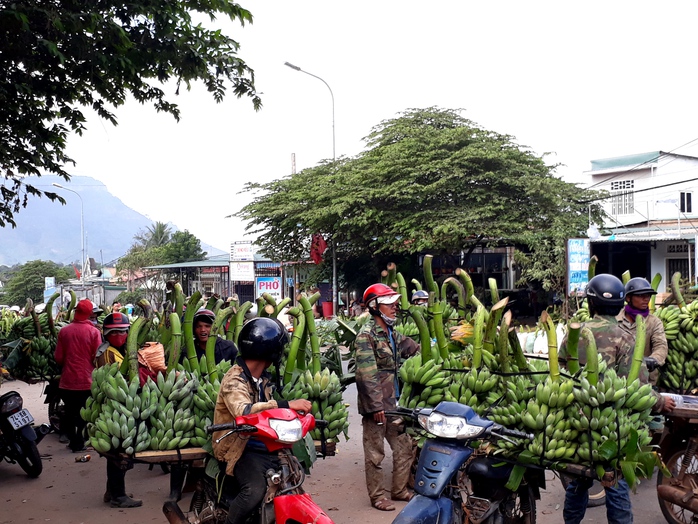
(50, 231)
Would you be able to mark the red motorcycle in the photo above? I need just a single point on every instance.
(285, 501)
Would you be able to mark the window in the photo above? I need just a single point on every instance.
(623, 199)
(677, 264)
(685, 200)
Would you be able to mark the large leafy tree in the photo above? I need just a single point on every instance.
(182, 247)
(429, 180)
(27, 281)
(58, 57)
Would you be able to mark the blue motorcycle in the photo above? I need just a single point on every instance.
(454, 486)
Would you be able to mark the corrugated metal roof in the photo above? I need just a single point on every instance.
(628, 161)
(649, 235)
(196, 263)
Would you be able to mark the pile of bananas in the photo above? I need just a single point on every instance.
(25, 327)
(424, 384)
(39, 361)
(324, 390)
(7, 321)
(582, 314)
(159, 417)
(680, 373)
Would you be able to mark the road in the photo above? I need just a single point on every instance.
(70, 492)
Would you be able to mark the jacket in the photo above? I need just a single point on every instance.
(225, 350)
(237, 396)
(655, 339)
(377, 366)
(76, 349)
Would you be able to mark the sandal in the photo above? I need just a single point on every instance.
(383, 505)
(406, 497)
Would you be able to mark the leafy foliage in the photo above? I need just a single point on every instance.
(429, 181)
(157, 234)
(27, 281)
(58, 57)
(182, 247)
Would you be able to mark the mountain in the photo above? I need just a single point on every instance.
(50, 231)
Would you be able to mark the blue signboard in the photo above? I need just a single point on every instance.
(578, 255)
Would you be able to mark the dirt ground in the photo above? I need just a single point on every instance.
(69, 492)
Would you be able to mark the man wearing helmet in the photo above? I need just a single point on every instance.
(638, 293)
(378, 352)
(605, 295)
(246, 388)
(420, 298)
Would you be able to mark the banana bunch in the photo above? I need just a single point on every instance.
(7, 321)
(324, 390)
(25, 327)
(669, 316)
(424, 384)
(509, 412)
(36, 360)
(407, 329)
(680, 373)
(581, 315)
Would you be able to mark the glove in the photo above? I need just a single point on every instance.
(651, 363)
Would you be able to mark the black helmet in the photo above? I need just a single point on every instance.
(204, 315)
(420, 294)
(262, 338)
(638, 286)
(606, 291)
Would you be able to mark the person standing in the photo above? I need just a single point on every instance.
(605, 294)
(76, 349)
(378, 352)
(116, 326)
(638, 293)
(245, 389)
(225, 350)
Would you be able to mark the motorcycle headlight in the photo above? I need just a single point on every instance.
(449, 427)
(287, 431)
(13, 403)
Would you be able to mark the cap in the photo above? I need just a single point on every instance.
(391, 299)
(83, 310)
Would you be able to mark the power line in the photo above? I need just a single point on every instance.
(634, 192)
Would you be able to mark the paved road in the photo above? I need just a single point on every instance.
(71, 493)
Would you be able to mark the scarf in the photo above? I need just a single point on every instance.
(632, 312)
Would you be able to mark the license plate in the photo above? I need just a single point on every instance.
(21, 418)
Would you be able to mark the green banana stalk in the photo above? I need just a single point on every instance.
(503, 342)
(592, 365)
(676, 290)
(217, 327)
(549, 328)
(625, 277)
(573, 332)
(298, 330)
(467, 284)
(176, 337)
(592, 267)
(188, 329)
(238, 321)
(477, 336)
(423, 327)
(402, 289)
(307, 305)
(494, 292)
(639, 352)
(655, 285)
(429, 282)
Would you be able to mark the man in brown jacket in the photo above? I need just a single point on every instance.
(246, 388)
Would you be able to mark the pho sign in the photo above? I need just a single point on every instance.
(271, 285)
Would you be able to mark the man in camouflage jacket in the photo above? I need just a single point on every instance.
(379, 350)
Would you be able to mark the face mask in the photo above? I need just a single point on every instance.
(117, 339)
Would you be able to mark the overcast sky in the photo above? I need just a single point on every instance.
(580, 81)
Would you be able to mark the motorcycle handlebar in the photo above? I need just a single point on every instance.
(319, 423)
(230, 426)
(513, 433)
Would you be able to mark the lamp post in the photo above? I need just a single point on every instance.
(335, 290)
(82, 229)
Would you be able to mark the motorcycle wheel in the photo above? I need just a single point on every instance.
(30, 460)
(597, 495)
(672, 513)
(512, 510)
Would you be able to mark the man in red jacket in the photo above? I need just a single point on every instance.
(75, 353)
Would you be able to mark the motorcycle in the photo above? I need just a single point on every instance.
(285, 501)
(18, 439)
(454, 486)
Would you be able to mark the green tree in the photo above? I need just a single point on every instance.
(157, 234)
(429, 181)
(28, 281)
(182, 247)
(58, 57)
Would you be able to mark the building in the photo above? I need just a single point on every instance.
(652, 224)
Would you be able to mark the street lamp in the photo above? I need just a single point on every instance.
(334, 158)
(82, 229)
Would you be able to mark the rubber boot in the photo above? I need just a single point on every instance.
(125, 502)
(178, 473)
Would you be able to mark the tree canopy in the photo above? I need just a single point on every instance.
(429, 180)
(27, 281)
(57, 58)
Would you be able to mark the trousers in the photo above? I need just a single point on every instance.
(250, 476)
(618, 507)
(374, 437)
(74, 400)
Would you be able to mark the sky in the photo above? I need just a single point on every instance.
(573, 80)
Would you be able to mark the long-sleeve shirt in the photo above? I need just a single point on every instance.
(377, 364)
(76, 349)
(655, 339)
